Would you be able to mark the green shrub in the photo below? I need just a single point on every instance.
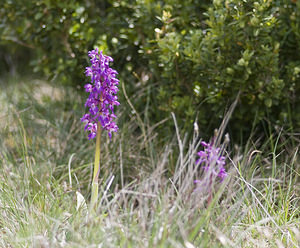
(245, 46)
(191, 57)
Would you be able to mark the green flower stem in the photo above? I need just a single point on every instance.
(96, 169)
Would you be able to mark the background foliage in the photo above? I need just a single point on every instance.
(191, 57)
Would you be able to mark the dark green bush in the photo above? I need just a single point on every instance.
(246, 46)
(191, 57)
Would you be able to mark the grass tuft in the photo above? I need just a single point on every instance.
(147, 196)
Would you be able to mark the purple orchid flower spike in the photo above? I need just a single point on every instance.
(102, 95)
(211, 160)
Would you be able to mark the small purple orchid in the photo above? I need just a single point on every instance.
(211, 160)
(102, 99)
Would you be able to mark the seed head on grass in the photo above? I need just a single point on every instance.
(102, 99)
